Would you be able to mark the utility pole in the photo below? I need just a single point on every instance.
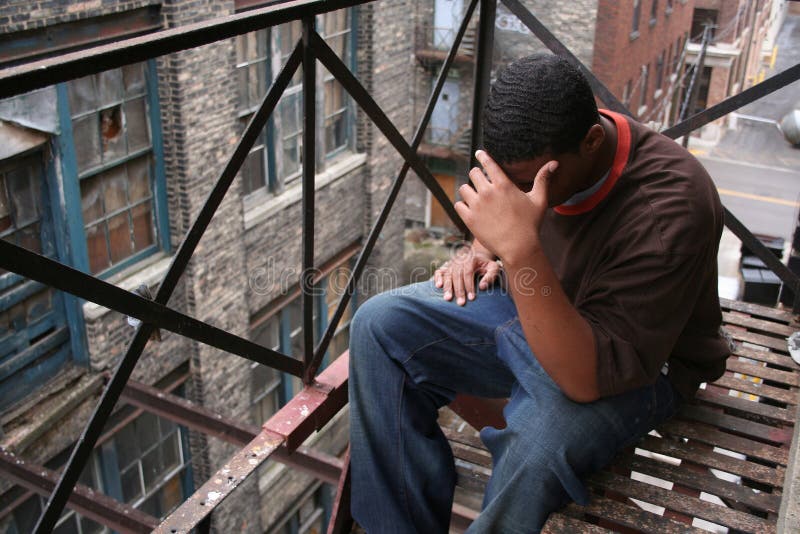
(694, 84)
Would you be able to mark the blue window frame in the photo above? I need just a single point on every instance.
(112, 163)
(276, 159)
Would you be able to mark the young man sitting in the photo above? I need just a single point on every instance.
(596, 312)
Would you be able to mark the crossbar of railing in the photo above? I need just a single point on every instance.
(38, 74)
(380, 221)
(83, 448)
(80, 284)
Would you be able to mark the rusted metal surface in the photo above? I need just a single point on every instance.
(717, 438)
(773, 358)
(751, 429)
(341, 521)
(784, 396)
(559, 523)
(184, 412)
(673, 500)
(765, 412)
(310, 409)
(179, 410)
(773, 375)
(753, 323)
(24, 78)
(770, 342)
(701, 481)
(700, 454)
(84, 500)
(630, 516)
(189, 514)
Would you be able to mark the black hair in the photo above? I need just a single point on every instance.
(539, 104)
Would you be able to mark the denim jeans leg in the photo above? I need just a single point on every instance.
(411, 352)
(550, 443)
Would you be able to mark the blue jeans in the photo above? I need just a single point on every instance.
(411, 352)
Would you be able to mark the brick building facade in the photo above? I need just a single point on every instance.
(121, 164)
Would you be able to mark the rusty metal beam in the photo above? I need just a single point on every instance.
(309, 410)
(84, 500)
(324, 466)
(30, 76)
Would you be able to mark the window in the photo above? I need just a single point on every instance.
(653, 12)
(336, 32)
(251, 68)
(643, 91)
(311, 516)
(637, 11)
(626, 93)
(668, 10)
(151, 460)
(700, 19)
(276, 160)
(290, 109)
(115, 162)
(335, 287)
(659, 71)
(678, 52)
(145, 464)
(265, 381)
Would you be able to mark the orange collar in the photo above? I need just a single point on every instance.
(620, 160)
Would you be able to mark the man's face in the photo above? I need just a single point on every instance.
(567, 180)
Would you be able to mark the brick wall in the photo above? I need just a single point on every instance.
(19, 15)
(619, 55)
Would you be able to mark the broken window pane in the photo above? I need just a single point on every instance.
(97, 247)
(111, 132)
(133, 76)
(24, 194)
(136, 125)
(119, 237)
(110, 87)
(142, 226)
(114, 194)
(138, 179)
(91, 199)
(86, 133)
(82, 95)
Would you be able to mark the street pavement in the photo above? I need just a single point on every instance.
(756, 170)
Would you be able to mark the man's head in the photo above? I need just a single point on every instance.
(542, 108)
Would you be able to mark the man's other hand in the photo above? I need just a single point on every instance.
(457, 276)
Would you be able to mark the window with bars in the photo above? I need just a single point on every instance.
(144, 464)
(276, 160)
(115, 162)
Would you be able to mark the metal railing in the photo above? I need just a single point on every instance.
(309, 49)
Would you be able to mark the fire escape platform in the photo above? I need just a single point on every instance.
(728, 458)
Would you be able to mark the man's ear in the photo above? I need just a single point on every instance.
(594, 139)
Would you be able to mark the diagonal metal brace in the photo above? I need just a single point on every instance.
(351, 84)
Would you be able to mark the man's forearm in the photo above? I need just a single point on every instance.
(558, 335)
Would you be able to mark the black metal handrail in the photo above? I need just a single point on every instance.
(310, 48)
